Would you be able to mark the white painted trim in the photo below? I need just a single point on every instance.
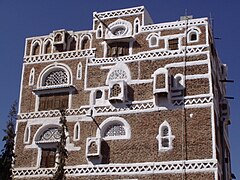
(31, 77)
(109, 121)
(51, 67)
(144, 168)
(21, 89)
(79, 71)
(27, 135)
(76, 132)
(150, 39)
(136, 26)
(190, 30)
(170, 137)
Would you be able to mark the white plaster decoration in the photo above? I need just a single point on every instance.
(27, 134)
(109, 109)
(98, 97)
(117, 91)
(54, 75)
(159, 54)
(165, 137)
(76, 134)
(193, 34)
(159, 72)
(167, 167)
(87, 37)
(174, 25)
(178, 82)
(50, 135)
(153, 40)
(47, 42)
(135, 107)
(53, 113)
(136, 26)
(93, 147)
(70, 55)
(99, 31)
(114, 128)
(118, 72)
(79, 71)
(31, 77)
(192, 101)
(118, 29)
(34, 44)
(119, 13)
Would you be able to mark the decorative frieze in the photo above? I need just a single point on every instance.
(189, 166)
(192, 50)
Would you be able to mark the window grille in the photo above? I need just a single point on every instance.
(118, 74)
(115, 91)
(50, 135)
(115, 130)
(56, 78)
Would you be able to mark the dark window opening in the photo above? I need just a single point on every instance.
(58, 38)
(173, 44)
(36, 49)
(85, 43)
(193, 37)
(53, 101)
(98, 94)
(118, 49)
(48, 158)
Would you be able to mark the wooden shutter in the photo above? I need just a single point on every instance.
(48, 158)
(173, 44)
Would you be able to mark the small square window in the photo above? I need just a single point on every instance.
(173, 44)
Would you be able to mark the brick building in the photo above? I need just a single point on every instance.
(143, 101)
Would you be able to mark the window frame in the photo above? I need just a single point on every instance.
(110, 121)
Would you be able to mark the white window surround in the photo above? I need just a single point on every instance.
(34, 43)
(169, 136)
(192, 30)
(76, 134)
(31, 77)
(46, 43)
(52, 67)
(178, 82)
(79, 71)
(99, 32)
(119, 72)
(136, 26)
(88, 37)
(155, 74)
(27, 133)
(111, 121)
(125, 26)
(153, 40)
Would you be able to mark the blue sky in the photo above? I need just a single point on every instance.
(26, 18)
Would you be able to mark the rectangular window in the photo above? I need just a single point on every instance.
(173, 44)
(53, 101)
(48, 158)
(118, 49)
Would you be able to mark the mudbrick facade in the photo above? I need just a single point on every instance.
(143, 101)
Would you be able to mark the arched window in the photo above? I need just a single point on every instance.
(114, 128)
(179, 82)
(47, 141)
(99, 33)
(79, 71)
(165, 137)
(27, 135)
(136, 26)
(48, 47)
(36, 48)
(73, 45)
(31, 77)
(193, 34)
(76, 135)
(153, 40)
(85, 42)
(56, 77)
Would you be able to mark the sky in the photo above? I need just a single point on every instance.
(27, 18)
